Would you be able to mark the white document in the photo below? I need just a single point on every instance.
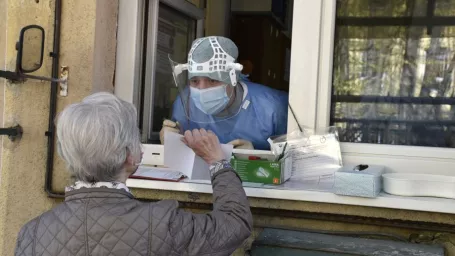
(178, 156)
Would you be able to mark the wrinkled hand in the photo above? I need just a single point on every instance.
(170, 126)
(242, 144)
(204, 144)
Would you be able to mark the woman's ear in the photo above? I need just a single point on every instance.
(130, 161)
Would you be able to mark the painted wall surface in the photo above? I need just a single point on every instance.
(217, 18)
(88, 40)
(3, 38)
(88, 48)
(23, 163)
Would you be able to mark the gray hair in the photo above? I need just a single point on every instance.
(96, 136)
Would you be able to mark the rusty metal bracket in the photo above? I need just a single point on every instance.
(14, 133)
(64, 72)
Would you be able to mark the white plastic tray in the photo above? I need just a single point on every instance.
(412, 184)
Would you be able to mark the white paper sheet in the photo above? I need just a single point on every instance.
(178, 156)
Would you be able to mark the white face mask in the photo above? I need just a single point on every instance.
(211, 100)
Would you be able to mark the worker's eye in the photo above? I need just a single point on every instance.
(213, 82)
(193, 82)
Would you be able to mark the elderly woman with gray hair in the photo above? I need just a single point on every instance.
(99, 140)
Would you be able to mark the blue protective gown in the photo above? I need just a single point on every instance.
(264, 116)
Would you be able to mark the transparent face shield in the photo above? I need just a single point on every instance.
(208, 91)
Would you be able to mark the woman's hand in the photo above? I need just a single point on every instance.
(204, 144)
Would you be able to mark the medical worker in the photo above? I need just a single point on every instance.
(213, 97)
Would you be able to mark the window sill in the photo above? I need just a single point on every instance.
(427, 204)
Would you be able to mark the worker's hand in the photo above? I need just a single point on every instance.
(242, 144)
(170, 126)
(204, 144)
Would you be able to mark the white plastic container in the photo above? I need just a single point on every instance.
(413, 184)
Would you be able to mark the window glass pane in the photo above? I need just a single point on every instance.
(176, 31)
(393, 80)
(444, 8)
(252, 110)
(381, 8)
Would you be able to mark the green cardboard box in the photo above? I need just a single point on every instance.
(263, 171)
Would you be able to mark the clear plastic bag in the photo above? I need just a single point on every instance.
(314, 153)
(277, 143)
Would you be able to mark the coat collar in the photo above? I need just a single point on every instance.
(85, 193)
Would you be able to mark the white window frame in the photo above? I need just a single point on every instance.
(311, 66)
(184, 7)
(130, 38)
(129, 67)
(309, 96)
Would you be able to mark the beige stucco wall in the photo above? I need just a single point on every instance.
(88, 49)
(3, 38)
(22, 195)
(23, 163)
(88, 43)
